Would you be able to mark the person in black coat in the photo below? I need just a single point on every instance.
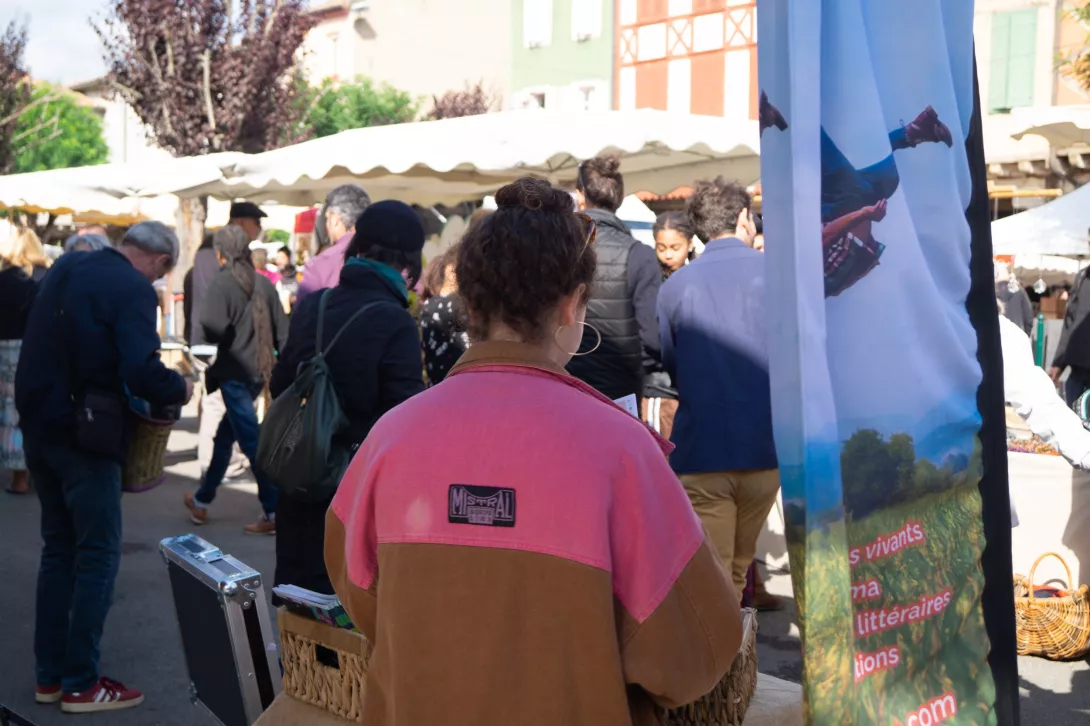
(374, 366)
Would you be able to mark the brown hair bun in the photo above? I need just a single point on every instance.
(601, 182)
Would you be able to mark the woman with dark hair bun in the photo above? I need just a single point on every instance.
(533, 559)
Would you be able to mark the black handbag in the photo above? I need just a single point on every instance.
(99, 414)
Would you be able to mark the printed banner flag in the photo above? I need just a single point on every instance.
(866, 107)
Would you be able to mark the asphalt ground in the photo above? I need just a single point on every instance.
(142, 647)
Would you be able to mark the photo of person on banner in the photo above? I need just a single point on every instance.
(893, 471)
(852, 199)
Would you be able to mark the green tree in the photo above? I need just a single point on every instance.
(278, 236)
(55, 132)
(333, 108)
(902, 452)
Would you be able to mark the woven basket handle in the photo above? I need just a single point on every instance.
(1033, 570)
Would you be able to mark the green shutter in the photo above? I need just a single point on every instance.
(1023, 59)
(1001, 41)
(1014, 60)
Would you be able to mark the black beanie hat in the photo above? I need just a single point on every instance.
(390, 224)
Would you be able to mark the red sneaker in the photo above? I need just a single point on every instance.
(47, 694)
(106, 695)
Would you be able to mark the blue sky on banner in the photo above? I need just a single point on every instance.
(895, 351)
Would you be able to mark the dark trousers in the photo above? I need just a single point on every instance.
(80, 494)
(300, 545)
(845, 189)
(1077, 383)
(239, 424)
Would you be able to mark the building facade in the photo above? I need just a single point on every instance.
(125, 134)
(1018, 44)
(562, 54)
(691, 56)
(424, 47)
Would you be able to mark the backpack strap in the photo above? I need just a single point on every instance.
(321, 310)
(321, 319)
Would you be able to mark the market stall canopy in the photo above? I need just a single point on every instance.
(1063, 127)
(454, 160)
(107, 193)
(1050, 268)
(1057, 228)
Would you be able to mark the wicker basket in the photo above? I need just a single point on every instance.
(728, 702)
(1055, 627)
(144, 463)
(324, 666)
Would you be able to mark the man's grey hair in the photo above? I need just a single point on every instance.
(155, 238)
(93, 242)
(347, 202)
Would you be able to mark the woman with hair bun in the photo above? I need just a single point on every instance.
(533, 560)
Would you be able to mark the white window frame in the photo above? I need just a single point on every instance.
(537, 23)
(586, 20)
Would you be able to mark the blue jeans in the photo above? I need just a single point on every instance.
(80, 494)
(845, 189)
(238, 424)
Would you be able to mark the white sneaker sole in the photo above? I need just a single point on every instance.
(48, 697)
(104, 706)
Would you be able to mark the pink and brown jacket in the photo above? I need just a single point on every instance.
(537, 563)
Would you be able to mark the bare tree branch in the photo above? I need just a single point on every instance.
(130, 95)
(170, 57)
(272, 17)
(38, 142)
(156, 69)
(54, 122)
(48, 98)
(206, 62)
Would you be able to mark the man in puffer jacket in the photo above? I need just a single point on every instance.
(624, 294)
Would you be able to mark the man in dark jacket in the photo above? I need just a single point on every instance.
(713, 319)
(625, 291)
(243, 317)
(92, 326)
(375, 365)
(1073, 350)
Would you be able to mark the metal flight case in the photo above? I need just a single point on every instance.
(226, 632)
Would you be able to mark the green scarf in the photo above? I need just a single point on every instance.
(386, 272)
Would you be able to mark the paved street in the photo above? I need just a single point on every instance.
(142, 646)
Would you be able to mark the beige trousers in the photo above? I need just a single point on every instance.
(733, 505)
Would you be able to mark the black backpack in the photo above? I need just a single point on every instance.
(295, 450)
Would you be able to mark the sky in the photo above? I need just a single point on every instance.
(62, 46)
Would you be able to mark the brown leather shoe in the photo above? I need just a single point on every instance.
(927, 127)
(261, 526)
(197, 515)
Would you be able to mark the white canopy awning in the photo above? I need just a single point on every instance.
(454, 160)
(1057, 228)
(106, 193)
(1062, 126)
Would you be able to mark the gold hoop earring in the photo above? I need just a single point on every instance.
(597, 345)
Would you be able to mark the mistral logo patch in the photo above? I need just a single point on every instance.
(486, 506)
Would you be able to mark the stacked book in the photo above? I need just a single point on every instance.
(323, 608)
